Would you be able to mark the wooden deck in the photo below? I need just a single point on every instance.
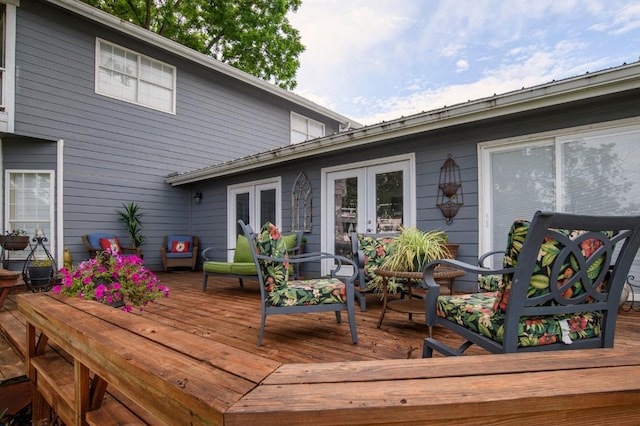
(228, 316)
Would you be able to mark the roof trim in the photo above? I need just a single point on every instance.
(613, 80)
(171, 46)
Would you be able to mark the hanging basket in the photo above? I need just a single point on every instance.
(14, 242)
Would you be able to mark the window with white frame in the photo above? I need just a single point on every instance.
(29, 204)
(129, 76)
(303, 128)
(586, 172)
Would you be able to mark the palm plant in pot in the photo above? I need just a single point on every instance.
(130, 217)
(411, 250)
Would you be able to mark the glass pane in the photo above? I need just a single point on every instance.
(523, 181)
(346, 215)
(242, 210)
(29, 205)
(267, 206)
(316, 129)
(604, 160)
(389, 201)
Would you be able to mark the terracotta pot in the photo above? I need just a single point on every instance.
(453, 249)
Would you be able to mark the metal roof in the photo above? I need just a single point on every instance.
(624, 77)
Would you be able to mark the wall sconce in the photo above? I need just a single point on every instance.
(450, 196)
(197, 197)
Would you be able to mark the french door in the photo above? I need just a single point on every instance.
(376, 197)
(255, 203)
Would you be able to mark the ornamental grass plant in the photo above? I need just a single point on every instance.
(111, 278)
(411, 250)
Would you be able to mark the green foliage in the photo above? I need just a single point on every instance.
(130, 218)
(16, 233)
(412, 249)
(255, 36)
(39, 263)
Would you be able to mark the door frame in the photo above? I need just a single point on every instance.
(253, 188)
(326, 203)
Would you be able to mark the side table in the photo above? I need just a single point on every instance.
(410, 305)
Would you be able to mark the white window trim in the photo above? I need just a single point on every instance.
(484, 149)
(139, 55)
(52, 202)
(252, 187)
(7, 115)
(308, 120)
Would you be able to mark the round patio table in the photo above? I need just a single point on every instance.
(409, 305)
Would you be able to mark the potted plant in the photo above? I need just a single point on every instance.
(39, 274)
(130, 217)
(112, 279)
(16, 239)
(411, 250)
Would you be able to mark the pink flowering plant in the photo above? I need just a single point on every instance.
(111, 278)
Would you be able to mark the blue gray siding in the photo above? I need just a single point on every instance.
(117, 152)
(431, 150)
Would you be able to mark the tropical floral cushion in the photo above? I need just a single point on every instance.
(309, 292)
(475, 312)
(541, 278)
(281, 291)
(270, 243)
(375, 249)
(489, 282)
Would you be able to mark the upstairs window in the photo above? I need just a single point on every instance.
(303, 128)
(129, 76)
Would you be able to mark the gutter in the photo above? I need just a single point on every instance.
(625, 77)
(171, 46)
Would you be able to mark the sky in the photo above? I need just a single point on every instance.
(378, 60)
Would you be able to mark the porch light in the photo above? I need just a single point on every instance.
(450, 196)
(197, 197)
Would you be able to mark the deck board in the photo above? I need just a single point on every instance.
(304, 356)
(227, 314)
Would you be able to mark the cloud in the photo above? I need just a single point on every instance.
(378, 60)
(462, 65)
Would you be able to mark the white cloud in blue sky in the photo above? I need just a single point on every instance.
(376, 60)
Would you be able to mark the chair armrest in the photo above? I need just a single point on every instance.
(315, 257)
(487, 255)
(207, 254)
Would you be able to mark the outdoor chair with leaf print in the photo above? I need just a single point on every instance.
(281, 295)
(369, 252)
(560, 288)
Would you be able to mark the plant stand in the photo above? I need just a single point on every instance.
(12, 243)
(39, 278)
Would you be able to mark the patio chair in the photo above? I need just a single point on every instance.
(369, 252)
(561, 282)
(101, 241)
(179, 251)
(280, 295)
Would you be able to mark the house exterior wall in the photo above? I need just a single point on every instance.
(116, 152)
(431, 150)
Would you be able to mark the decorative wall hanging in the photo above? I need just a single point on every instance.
(301, 196)
(450, 196)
